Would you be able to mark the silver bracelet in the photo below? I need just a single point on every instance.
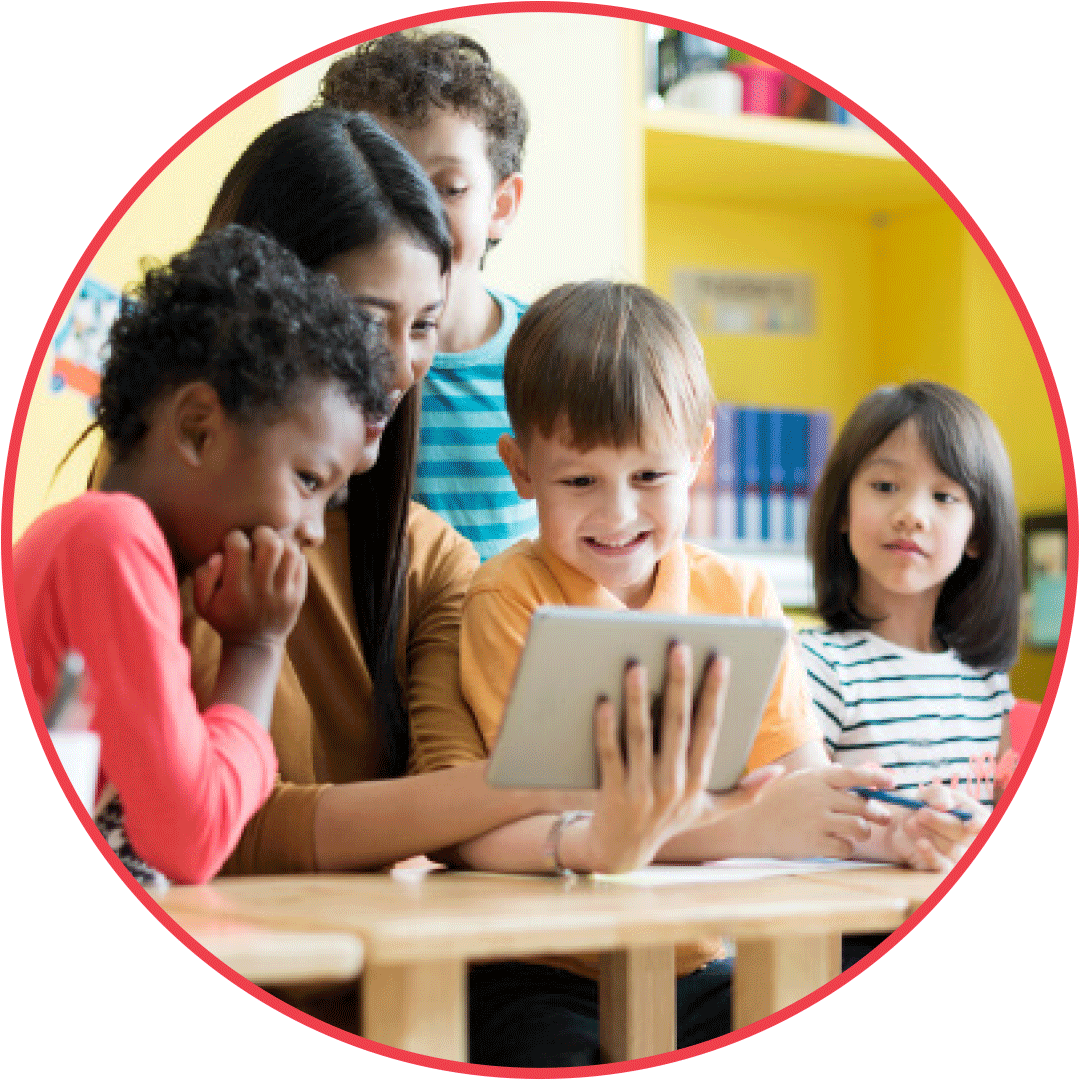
(552, 862)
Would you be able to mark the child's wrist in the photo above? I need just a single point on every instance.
(257, 648)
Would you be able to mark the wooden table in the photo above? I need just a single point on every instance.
(420, 930)
(270, 957)
(912, 886)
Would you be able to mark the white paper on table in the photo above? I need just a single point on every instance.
(731, 870)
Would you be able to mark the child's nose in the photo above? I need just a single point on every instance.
(911, 513)
(311, 532)
(622, 506)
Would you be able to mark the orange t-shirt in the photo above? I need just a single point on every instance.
(690, 580)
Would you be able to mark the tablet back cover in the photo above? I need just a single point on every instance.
(572, 655)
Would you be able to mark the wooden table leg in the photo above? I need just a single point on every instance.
(637, 1002)
(419, 1007)
(774, 973)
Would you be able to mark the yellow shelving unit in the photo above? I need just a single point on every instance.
(902, 291)
(773, 162)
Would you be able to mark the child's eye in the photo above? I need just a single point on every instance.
(650, 476)
(309, 480)
(577, 481)
(451, 191)
(426, 326)
(886, 487)
(946, 497)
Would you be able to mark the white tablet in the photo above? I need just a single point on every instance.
(573, 654)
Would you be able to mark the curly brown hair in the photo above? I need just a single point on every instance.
(403, 76)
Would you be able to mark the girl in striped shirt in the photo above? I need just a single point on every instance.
(914, 540)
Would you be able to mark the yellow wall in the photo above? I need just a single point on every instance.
(916, 265)
(829, 368)
(1004, 377)
(164, 219)
(901, 296)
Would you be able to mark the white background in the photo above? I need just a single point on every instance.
(983, 92)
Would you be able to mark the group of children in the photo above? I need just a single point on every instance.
(242, 391)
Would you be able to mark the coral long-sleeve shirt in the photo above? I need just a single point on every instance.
(96, 575)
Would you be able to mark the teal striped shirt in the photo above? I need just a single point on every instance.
(920, 715)
(459, 473)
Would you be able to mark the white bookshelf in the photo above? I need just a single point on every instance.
(788, 569)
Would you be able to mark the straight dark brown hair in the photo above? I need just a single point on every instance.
(324, 182)
(978, 611)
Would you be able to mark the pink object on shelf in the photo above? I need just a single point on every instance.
(761, 88)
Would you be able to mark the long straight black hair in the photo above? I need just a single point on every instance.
(978, 610)
(324, 182)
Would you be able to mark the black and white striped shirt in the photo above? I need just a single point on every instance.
(920, 715)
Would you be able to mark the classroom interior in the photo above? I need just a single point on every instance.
(616, 186)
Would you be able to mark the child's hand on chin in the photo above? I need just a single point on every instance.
(932, 838)
(251, 591)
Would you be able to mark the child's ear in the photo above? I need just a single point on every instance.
(504, 205)
(973, 550)
(706, 442)
(195, 418)
(514, 460)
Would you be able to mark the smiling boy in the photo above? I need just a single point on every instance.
(610, 402)
(439, 96)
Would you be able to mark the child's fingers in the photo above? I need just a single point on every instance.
(947, 837)
(759, 778)
(869, 776)
(236, 564)
(845, 801)
(298, 575)
(927, 857)
(266, 553)
(290, 562)
(205, 581)
(836, 847)
(851, 826)
(708, 721)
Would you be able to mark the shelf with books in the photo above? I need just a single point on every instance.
(848, 139)
(750, 497)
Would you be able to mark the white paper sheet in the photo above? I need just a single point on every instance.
(731, 870)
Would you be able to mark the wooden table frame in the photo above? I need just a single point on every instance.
(419, 932)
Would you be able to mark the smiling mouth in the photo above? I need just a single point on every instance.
(616, 547)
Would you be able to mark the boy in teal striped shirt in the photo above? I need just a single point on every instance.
(466, 124)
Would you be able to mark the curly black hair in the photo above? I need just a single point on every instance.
(324, 182)
(402, 76)
(242, 313)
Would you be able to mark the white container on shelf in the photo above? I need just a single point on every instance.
(716, 92)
